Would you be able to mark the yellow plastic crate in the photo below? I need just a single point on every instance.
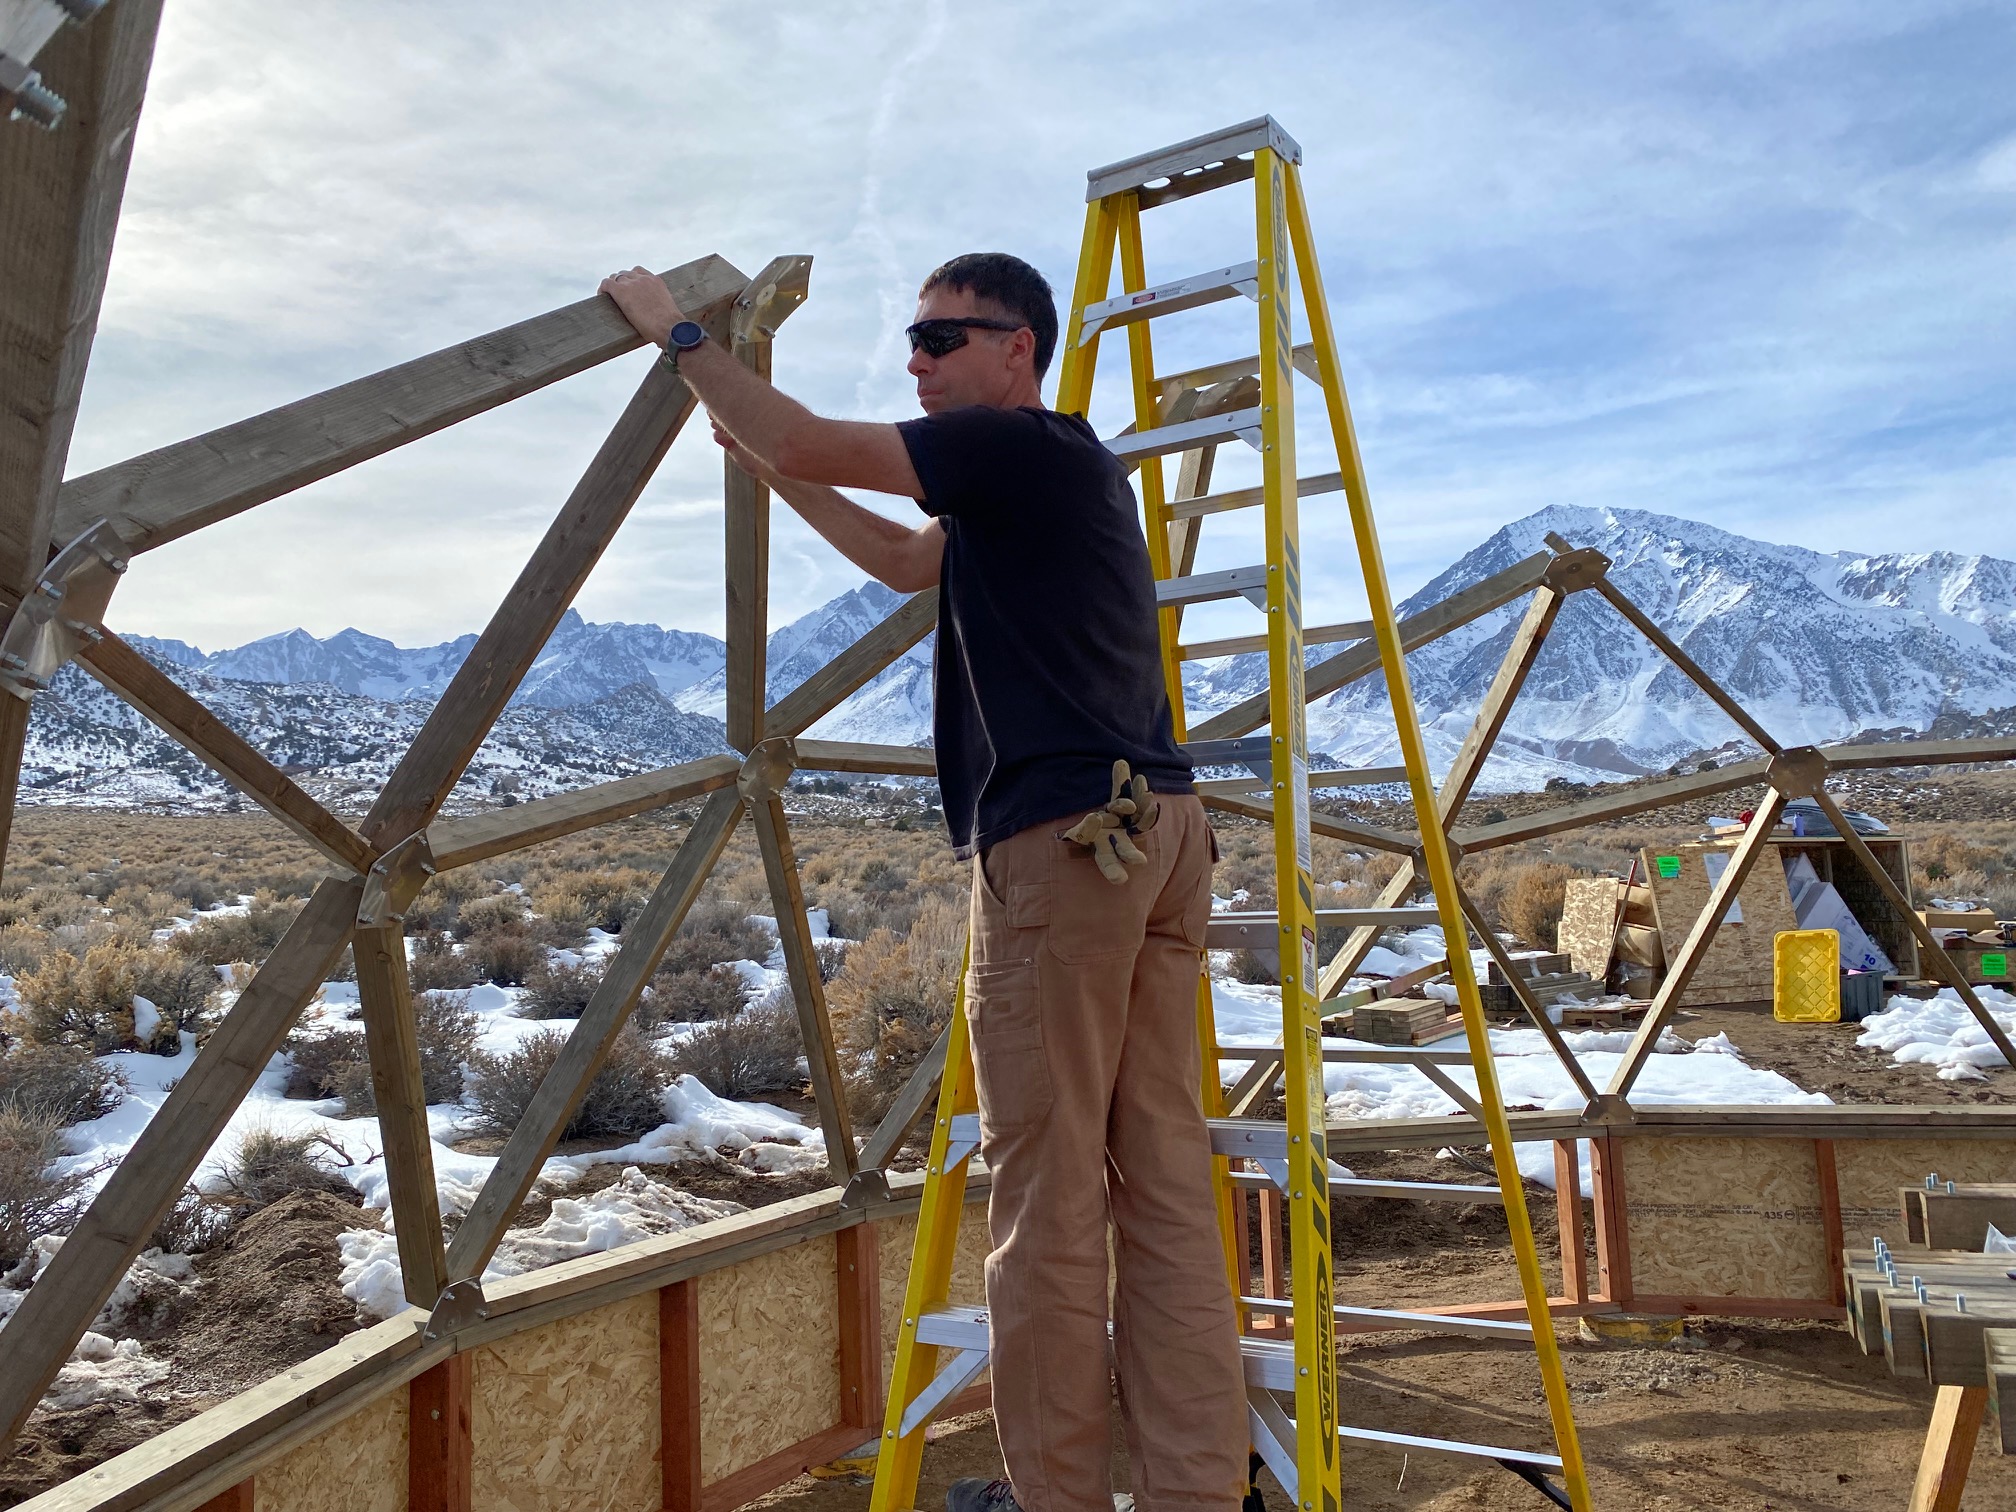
(1806, 977)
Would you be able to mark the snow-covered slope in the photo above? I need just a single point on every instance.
(1816, 646)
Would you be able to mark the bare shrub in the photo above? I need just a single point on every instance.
(249, 936)
(1533, 900)
(605, 898)
(557, 990)
(194, 1223)
(89, 1003)
(625, 1098)
(316, 1063)
(435, 965)
(506, 959)
(750, 1052)
(892, 997)
(692, 996)
(716, 931)
(59, 1083)
(268, 1165)
(336, 1063)
(500, 913)
(33, 1200)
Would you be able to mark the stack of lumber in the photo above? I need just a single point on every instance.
(1945, 1313)
(1500, 999)
(1602, 1015)
(1546, 963)
(1399, 1021)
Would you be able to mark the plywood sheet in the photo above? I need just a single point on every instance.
(769, 1355)
(356, 1465)
(969, 1262)
(1871, 1171)
(1588, 924)
(1737, 967)
(566, 1416)
(1725, 1218)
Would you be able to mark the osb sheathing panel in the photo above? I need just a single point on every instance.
(1588, 924)
(356, 1465)
(969, 1279)
(769, 1355)
(1871, 1170)
(1738, 965)
(1725, 1218)
(566, 1416)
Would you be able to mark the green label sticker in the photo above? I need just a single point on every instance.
(1669, 866)
(1995, 963)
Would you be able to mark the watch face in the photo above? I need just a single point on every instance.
(687, 334)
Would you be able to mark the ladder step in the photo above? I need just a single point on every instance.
(1387, 1317)
(1250, 498)
(1134, 446)
(1411, 1441)
(1166, 299)
(1402, 1191)
(1314, 635)
(1233, 582)
(1303, 356)
(1230, 931)
(954, 1328)
(1192, 156)
(1406, 1055)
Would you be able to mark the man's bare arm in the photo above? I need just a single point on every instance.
(784, 434)
(901, 558)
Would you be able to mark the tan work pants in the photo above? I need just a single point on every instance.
(1082, 1005)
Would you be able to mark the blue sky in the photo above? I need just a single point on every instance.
(1754, 265)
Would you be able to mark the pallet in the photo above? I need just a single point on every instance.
(1602, 1015)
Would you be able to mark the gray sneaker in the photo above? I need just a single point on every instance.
(976, 1495)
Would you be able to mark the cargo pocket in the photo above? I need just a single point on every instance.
(1004, 1015)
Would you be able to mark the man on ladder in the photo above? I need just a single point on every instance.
(1091, 881)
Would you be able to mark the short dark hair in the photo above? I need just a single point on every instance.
(1012, 284)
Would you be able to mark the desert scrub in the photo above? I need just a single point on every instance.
(335, 1063)
(434, 964)
(605, 899)
(716, 931)
(249, 936)
(692, 995)
(752, 1051)
(33, 1200)
(89, 1003)
(892, 997)
(559, 989)
(626, 1098)
(506, 959)
(58, 1083)
(267, 1166)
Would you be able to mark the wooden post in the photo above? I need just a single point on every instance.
(1949, 1448)
(237, 1499)
(441, 1445)
(1830, 1217)
(824, 691)
(679, 1395)
(392, 1042)
(1613, 1239)
(1568, 1209)
(860, 1268)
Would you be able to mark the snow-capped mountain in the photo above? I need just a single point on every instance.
(1816, 646)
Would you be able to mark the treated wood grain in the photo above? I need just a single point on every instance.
(608, 1010)
(520, 628)
(1416, 630)
(1634, 800)
(859, 1259)
(824, 691)
(185, 720)
(165, 494)
(391, 1036)
(858, 756)
(1568, 1214)
(458, 842)
(66, 1297)
(1949, 1448)
(441, 1440)
(681, 1482)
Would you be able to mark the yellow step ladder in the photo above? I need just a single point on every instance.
(1290, 1383)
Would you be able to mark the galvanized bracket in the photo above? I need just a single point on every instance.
(865, 1189)
(767, 769)
(23, 95)
(394, 881)
(462, 1304)
(1799, 772)
(64, 612)
(770, 298)
(1575, 568)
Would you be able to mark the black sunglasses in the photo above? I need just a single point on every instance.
(934, 338)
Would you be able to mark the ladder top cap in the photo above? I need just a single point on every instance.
(1199, 152)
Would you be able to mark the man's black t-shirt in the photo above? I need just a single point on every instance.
(1048, 662)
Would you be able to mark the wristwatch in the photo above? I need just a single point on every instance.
(685, 336)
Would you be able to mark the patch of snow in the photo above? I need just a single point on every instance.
(1939, 1031)
(117, 1375)
(146, 1020)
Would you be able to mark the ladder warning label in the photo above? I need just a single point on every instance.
(1298, 807)
(1309, 957)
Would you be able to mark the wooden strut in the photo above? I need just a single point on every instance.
(391, 1039)
(1523, 990)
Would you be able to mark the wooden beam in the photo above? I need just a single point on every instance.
(1830, 1215)
(1333, 825)
(66, 1297)
(1900, 753)
(608, 1010)
(441, 1442)
(857, 756)
(859, 1258)
(1568, 1213)
(1693, 950)
(1635, 800)
(192, 726)
(681, 1482)
(520, 628)
(391, 1037)
(458, 842)
(1949, 1448)
(826, 689)
(801, 965)
(1930, 950)
(163, 495)
(1417, 630)
(909, 1106)
(1613, 1228)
